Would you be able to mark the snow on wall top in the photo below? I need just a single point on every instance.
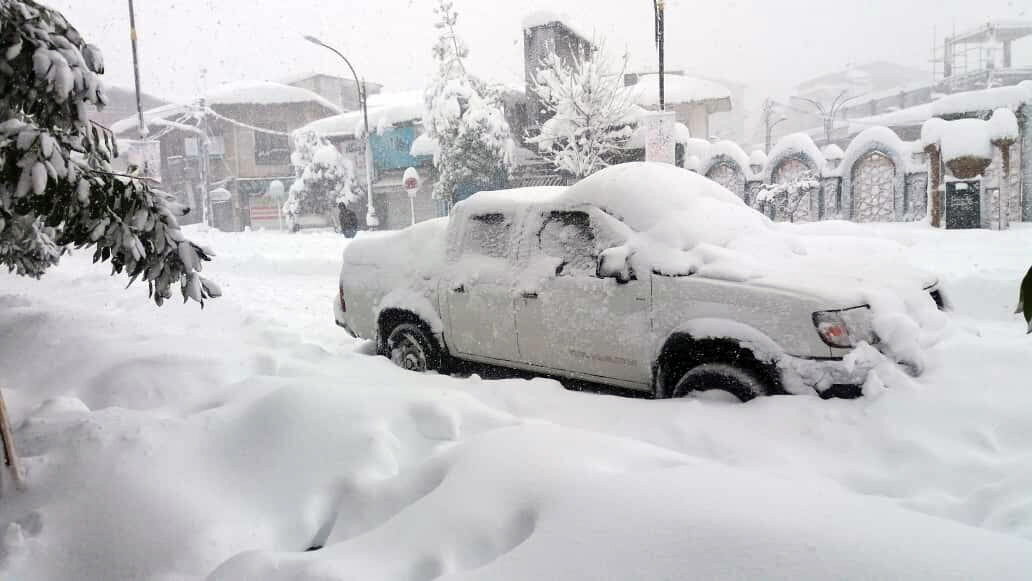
(758, 158)
(677, 89)
(543, 17)
(880, 139)
(726, 149)
(790, 146)
(969, 137)
(832, 152)
(385, 109)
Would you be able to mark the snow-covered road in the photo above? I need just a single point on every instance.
(177, 443)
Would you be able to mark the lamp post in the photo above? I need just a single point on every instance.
(658, 7)
(371, 220)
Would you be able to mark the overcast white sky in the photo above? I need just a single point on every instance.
(767, 44)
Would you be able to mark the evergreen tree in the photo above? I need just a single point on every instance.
(464, 116)
(325, 178)
(57, 190)
(589, 112)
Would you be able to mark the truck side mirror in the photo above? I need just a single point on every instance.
(615, 263)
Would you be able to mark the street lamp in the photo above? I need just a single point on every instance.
(371, 220)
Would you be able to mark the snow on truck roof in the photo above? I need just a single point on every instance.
(685, 224)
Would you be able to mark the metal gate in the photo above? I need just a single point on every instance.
(963, 205)
(874, 189)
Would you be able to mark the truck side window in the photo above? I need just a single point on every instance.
(569, 236)
(489, 235)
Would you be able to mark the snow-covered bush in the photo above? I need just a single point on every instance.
(57, 189)
(325, 177)
(588, 109)
(464, 116)
(789, 201)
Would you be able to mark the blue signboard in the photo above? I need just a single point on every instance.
(391, 149)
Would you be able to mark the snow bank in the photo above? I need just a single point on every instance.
(168, 444)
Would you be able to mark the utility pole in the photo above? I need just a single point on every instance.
(203, 147)
(136, 70)
(658, 6)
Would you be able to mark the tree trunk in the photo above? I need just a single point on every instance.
(10, 457)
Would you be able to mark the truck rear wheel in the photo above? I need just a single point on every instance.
(411, 347)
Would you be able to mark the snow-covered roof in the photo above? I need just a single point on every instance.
(678, 90)
(385, 109)
(1010, 97)
(238, 93)
(264, 93)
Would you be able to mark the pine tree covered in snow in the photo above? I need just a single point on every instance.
(464, 116)
(325, 177)
(588, 108)
(56, 186)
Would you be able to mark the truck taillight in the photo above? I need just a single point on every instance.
(343, 305)
(832, 328)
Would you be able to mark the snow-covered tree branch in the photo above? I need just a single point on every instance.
(588, 108)
(464, 116)
(56, 187)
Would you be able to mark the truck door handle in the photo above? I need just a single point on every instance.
(459, 289)
(529, 295)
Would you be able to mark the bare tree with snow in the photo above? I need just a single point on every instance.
(57, 188)
(588, 108)
(464, 116)
(790, 201)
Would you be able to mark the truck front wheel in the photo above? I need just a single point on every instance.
(720, 377)
(411, 347)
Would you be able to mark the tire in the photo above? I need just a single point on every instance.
(741, 383)
(410, 346)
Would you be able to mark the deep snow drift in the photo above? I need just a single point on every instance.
(177, 443)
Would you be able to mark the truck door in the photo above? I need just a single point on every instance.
(575, 321)
(478, 288)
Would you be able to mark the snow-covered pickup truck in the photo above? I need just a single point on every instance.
(642, 276)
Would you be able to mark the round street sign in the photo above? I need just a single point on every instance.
(219, 195)
(410, 181)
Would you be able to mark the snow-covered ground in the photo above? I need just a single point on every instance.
(177, 443)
